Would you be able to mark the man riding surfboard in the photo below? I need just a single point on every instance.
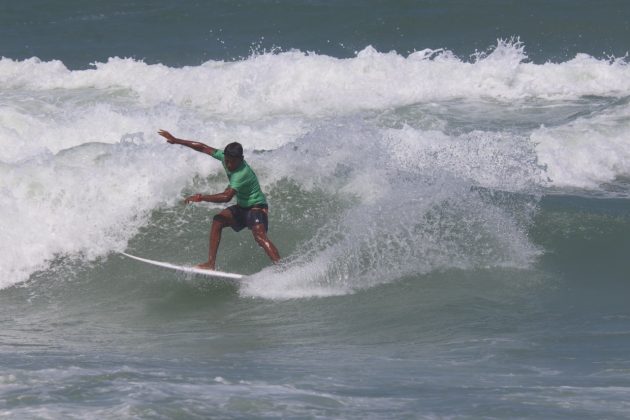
(251, 208)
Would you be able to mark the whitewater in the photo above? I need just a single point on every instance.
(82, 168)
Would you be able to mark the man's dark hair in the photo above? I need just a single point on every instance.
(234, 150)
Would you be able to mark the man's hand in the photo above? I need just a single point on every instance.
(193, 199)
(195, 145)
(168, 136)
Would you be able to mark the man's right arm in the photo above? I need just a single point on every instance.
(195, 145)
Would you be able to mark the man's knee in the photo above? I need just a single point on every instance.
(261, 238)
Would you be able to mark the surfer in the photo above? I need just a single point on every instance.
(251, 208)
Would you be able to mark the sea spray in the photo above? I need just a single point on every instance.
(396, 218)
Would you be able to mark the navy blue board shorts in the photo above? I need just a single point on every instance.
(248, 216)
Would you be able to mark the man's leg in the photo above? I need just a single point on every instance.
(260, 235)
(220, 221)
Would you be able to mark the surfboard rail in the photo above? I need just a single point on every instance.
(187, 269)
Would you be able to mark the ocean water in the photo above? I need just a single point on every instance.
(449, 187)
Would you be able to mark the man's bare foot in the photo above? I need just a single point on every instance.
(205, 266)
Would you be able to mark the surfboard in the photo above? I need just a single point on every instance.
(187, 269)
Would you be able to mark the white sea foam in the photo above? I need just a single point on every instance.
(81, 166)
(588, 151)
(310, 84)
(85, 201)
(45, 127)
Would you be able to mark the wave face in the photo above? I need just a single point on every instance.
(378, 166)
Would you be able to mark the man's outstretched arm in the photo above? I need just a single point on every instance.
(195, 145)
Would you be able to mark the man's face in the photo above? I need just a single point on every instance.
(232, 163)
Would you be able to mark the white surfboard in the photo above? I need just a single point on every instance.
(187, 269)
